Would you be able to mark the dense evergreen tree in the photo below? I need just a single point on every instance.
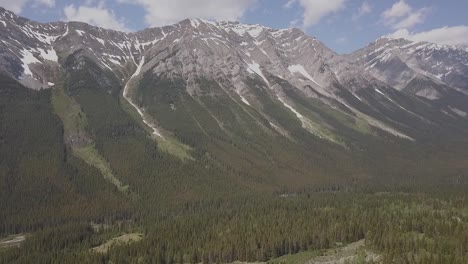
(248, 195)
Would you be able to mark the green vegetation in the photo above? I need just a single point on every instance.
(169, 144)
(402, 228)
(123, 239)
(89, 155)
(224, 186)
(351, 253)
(298, 258)
(12, 241)
(74, 120)
(75, 132)
(172, 146)
(41, 183)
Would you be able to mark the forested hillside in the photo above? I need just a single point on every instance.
(409, 208)
(209, 142)
(41, 184)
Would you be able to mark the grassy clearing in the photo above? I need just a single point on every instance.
(74, 120)
(176, 148)
(129, 109)
(90, 155)
(318, 126)
(12, 241)
(169, 144)
(75, 124)
(298, 258)
(352, 253)
(120, 240)
(349, 121)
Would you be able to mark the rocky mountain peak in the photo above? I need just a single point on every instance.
(399, 61)
(240, 59)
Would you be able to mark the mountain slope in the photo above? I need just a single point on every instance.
(197, 85)
(433, 72)
(219, 142)
(227, 53)
(246, 98)
(38, 176)
(398, 61)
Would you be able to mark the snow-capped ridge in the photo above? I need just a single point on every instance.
(282, 61)
(398, 61)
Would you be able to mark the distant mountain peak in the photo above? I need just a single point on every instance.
(287, 65)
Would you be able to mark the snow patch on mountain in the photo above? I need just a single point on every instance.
(429, 93)
(299, 115)
(100, 40)
(140, 111)
(195, 23)
(398, 61)
(300, 69)
(255, 68)
(241, 29)
(50, 55)
(458, 111)
(306, 123)
(380, 92)
(243, 98)
(255, 32)
(26, 59)
(227, 52)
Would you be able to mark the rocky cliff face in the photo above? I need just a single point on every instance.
(293, 69)
(398, 61)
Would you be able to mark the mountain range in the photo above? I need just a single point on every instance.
(196, 80)
(194, 123)
(371, 88)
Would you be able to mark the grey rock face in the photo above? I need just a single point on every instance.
(398, 61)
(191, 48)
(232, 55)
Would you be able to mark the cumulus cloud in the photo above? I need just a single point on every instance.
(401, 15)
(397, 10)
(18, 5)
(412, 19)
(164, 12)
(290, 3)
(315, 10)
(457, 35)
(97, 16)
(295, 23)
(341, 40)
(365, 8)
(48, 3)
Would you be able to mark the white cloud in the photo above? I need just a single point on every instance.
(401, 15)
(412, 19)
(315, 10)
(18, 5)
(446, 35)
(48, 3)
(397, 10)
(294, 23)
(164, 12)
(341, 40)
(97, 16)
(290, 3)
(365, 8)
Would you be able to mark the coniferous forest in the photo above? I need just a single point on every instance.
(211, 196)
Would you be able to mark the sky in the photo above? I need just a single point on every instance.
(343, 25)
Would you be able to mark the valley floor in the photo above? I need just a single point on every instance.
(12, 241)
(327, 227)
(352, 253)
